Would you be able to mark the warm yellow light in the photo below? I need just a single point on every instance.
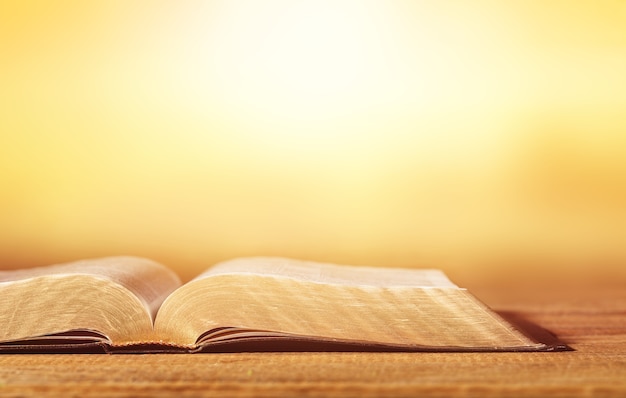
(299, 58)
(356, 76)
(302, 74)
(320, 129)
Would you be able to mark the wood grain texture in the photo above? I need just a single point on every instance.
(591, 320)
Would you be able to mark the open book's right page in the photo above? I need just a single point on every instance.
(283, 298)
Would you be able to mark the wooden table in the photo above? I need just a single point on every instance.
(590, 317)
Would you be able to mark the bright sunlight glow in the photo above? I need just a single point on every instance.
(302, 59)
(345, 130)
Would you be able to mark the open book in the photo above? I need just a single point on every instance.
(131, 304)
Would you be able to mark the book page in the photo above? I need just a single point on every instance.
(151, 282)
(325, 302)
(309, 271)
(116, 297)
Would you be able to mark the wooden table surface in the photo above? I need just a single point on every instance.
(590, 318)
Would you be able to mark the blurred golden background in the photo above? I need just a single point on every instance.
(478, 137)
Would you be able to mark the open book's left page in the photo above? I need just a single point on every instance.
(113, 300)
